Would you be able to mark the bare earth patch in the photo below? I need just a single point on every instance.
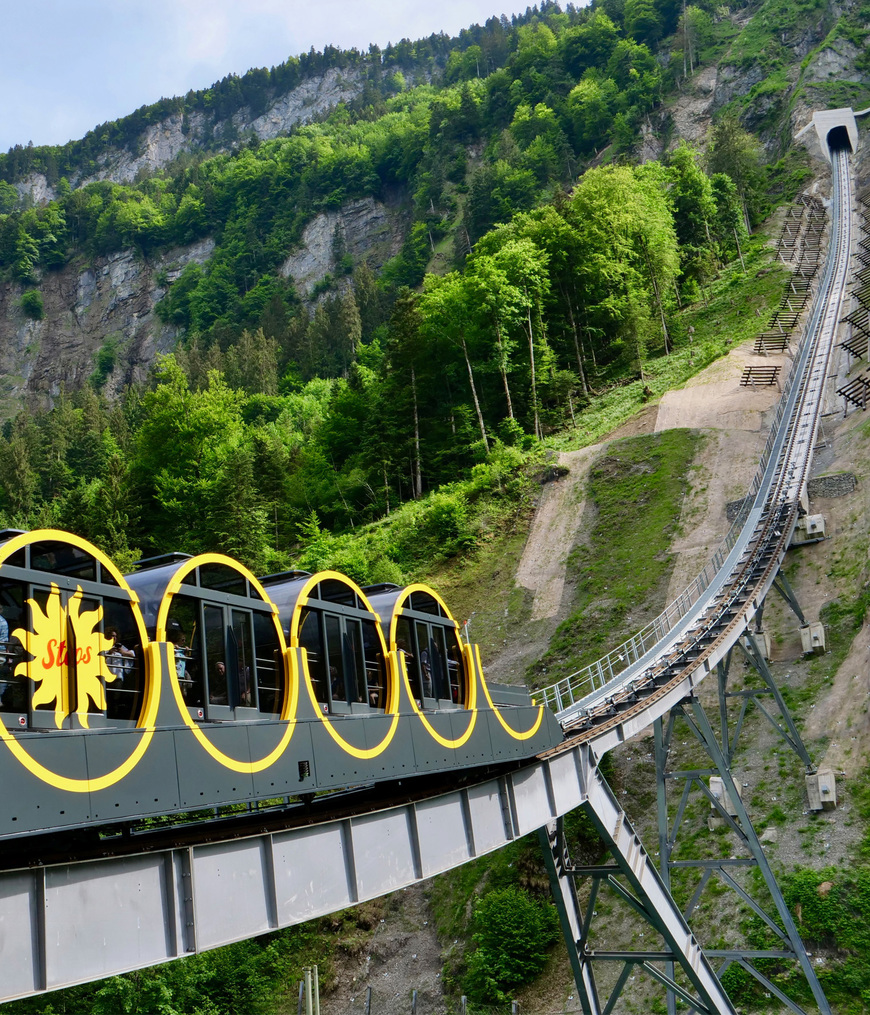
(553, 533)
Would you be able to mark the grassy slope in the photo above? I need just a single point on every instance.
(621, 572)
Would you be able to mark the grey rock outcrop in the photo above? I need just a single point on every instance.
(369, 230)
(35, 189)
(86, 305)
(159, 144)
(312, 98)
(163, 142)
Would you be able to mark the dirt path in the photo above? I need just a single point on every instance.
(713, 401)
(554, 531)
(733, 420)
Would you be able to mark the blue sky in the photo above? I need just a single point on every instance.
(68, 65)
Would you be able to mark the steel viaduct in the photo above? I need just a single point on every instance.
(64, 922)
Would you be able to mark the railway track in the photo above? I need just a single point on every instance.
(717, 608)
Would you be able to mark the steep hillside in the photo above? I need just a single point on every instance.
(820, 860)
(402, 159)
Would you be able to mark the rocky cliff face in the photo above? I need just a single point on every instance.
(87, 306)
(367, 229)
(163, 142)
(112, 301)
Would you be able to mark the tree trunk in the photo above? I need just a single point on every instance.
(503, 371)
(534, 377)
(588, 333)
(745, 212)
(474, 395)
(577, 348)
(739, 251)
(655, 283)
(685, 38)
(418, 474)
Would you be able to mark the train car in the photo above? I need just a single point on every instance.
(190, 684)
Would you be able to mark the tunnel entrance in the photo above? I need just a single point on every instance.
(838, 139)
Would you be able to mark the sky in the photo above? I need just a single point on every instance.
(68, 65)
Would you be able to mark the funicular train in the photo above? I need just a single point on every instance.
(191, 684)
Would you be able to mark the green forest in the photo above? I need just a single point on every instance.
(277, 421)
(379, 397)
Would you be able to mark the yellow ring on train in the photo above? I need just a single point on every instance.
(291, 680)
(511, 732)
(148, 712)
(471, 700)
(392, 698)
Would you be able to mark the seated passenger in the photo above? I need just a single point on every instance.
(176, 636)
(118, 657)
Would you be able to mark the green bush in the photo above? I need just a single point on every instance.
(31, 304)
(512, 933)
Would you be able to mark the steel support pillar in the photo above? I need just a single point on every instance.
(782, 586)
(787, 730)
(633, 878)
(727, 871)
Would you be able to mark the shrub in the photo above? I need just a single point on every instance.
(512, 933)
(31, 304)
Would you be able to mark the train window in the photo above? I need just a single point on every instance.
(124, 659)
(433, 659)
(425, 656)
(311, 639)
(334, 651)
(243, 658)
(439, 662)
(268, 664)
(61, 558)
(407, 644)
(13, 685)
(216, 655)
(333, 591)
(423, 602)
(182, 632)
(354, 671)
(373, 661)
(222, 579)
(455, 668)
(233, 659)
(17, 559)
(345, 660)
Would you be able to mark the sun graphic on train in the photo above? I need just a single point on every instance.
(69, 661)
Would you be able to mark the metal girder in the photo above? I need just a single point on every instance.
(783, 587)
(787, 730)
(71, 923)
(635, 880)
(781, 924)
(75, 922)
